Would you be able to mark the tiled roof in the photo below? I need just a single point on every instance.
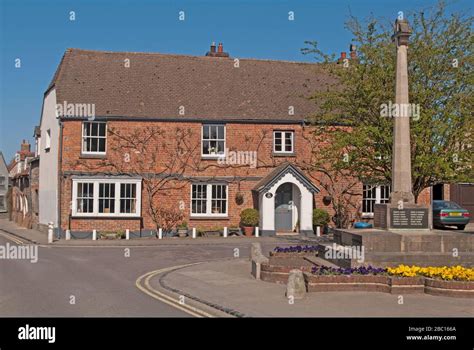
(210, 88)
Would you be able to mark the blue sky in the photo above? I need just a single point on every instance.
(38, 32)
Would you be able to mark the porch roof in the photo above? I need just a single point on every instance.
(281, 170)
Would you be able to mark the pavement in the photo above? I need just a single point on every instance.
(228, 285)
(37, 237)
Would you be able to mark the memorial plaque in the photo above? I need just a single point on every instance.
(409, 218)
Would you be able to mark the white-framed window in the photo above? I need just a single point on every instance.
(128, 198)
(106, 197)
(2, 182)
(283, 141)
(209, 200)
(372, 195)
(84, 197)
(213, 140)
(47, 142)
(94, 137)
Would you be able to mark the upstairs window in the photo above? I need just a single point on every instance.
(283, 142)
(94, 136)
(213, 140)
(47, 144)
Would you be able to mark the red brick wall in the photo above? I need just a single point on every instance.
(239, 137)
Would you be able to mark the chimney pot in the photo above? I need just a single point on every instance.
(353, 52)
(343, 55)
(220, 48)
(25, 146)
(213, 47)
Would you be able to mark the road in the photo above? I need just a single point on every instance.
(99, 280)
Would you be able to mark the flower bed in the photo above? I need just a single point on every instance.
(445, 281)
(293, 251)
(361, 270)
(456, 273)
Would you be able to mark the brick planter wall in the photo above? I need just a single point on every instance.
(407, 285)
(349, 283)
(368, 283)
(460, 289)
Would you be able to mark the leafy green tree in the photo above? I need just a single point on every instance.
(440, 56)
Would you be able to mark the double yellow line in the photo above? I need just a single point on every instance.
(143, 283)
(11, 238)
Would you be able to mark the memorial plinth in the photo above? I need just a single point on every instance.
(410, 216)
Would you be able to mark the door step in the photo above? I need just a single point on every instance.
(289, 233)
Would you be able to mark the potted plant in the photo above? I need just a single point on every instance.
(183, 229)
(320, 219)
(249, 219)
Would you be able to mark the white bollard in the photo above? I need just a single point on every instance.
(194, 232)
(68, 235)
(50, 235)
(225, 232)
(94, 235)
(127, 234)
(318, 231)
(160, 233)
(256, 231)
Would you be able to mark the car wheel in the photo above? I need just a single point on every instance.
(461, 227)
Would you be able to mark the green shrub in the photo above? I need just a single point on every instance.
(320, 217)
(183, 225)
(249, 217)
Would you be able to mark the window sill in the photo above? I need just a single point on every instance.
(277, 154)
(367, 216)
(92, 156)
(210, 217)
(212, 156)
(89, 217)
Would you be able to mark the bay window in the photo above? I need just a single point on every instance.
(106, 197)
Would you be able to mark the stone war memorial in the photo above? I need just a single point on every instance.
(402, 212)
(403, 231)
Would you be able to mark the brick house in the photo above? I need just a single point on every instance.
(3, 184)
(24, 180)
(126, 138)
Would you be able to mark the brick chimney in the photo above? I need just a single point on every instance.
(342, 58)
(25, 146)
(353, 52)
(220, 51)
